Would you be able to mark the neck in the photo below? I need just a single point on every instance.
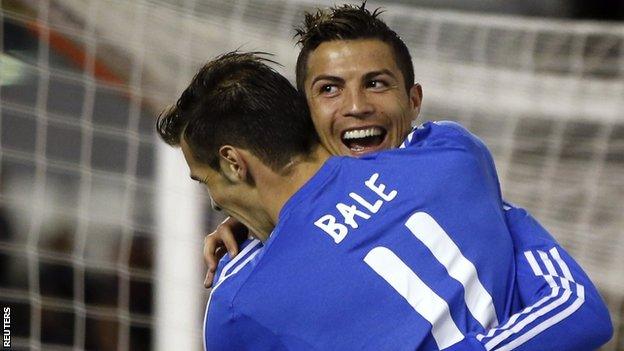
(275, 190)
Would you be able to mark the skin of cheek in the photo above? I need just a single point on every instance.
(323, 118)
(396, 110)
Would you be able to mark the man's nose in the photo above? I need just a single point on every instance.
(357, 104)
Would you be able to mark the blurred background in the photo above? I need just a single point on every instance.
(101, 230)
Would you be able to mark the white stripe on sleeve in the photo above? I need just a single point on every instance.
(238, 257)
(561, 286)
(223, 277)
(564, 267)
(533, 263)
(234, 271)
(530, 318)
(537, 270)
(543, 326)
(524, 312)
(548, 263)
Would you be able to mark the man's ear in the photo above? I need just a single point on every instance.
(233, 164)
(415, 96)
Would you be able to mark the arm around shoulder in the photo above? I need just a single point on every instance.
(563, 309)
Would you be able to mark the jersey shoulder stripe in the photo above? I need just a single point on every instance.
(231, 267)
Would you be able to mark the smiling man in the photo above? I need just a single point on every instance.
(361, 103)
(358, 80)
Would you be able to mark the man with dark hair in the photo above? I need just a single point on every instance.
(349, 45)
(357, 77)
(390, 251)
(349, 22)
(219, 103)
(271, 128)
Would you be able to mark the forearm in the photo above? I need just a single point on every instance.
(563, 309)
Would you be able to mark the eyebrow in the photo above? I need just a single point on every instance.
(327, 77)
(370, 75)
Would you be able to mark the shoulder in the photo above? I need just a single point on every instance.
(229, 266)
(448, 136)
(442, 133)
(228, 323)
(231, 275)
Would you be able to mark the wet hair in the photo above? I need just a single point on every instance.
(237, 99)
(349, 22)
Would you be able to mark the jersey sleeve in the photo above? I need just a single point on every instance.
(440, 134)
(562, 308)
(224, 327)
(228, 330)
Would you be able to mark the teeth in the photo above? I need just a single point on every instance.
(362, 133)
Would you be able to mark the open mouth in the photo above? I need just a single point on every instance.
(358, 140)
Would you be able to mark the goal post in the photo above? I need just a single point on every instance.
(178, 299)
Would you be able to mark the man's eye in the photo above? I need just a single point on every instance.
(328, 89)
(377, 84)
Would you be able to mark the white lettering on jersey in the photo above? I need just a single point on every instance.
(349, 213)
(329, 225)
(373, 208)
(337, 230)
(379, 189)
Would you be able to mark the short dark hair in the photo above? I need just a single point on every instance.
(237, 99)
(349, 22)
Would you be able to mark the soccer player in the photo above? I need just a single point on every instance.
(407, 249)
(344, 52)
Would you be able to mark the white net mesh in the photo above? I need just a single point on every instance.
(546, 96)
(79, 233)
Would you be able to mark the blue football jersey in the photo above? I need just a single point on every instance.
(408, 249)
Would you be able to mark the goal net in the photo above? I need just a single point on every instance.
(101, 233)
